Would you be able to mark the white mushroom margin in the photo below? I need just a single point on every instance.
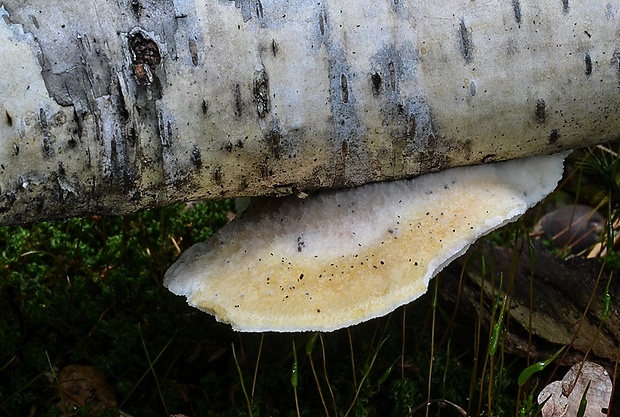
(339, 258)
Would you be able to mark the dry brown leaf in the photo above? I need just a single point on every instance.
(574, 227)
(562, 398)
(84, 385)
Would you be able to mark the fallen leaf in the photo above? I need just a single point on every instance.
(562, 398)
(84, 386)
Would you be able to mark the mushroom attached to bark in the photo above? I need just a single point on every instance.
(339, 258)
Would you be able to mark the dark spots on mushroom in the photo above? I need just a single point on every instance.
(9, 119)
(516, 8)
(205, 107)
(554, 136)
(565, 6)
(376, 82)
(588, 62)
(541, 111)
(196, 157)
(300, 244)
(260, 89)
(467, 46)
(344, 85)
(193, 50)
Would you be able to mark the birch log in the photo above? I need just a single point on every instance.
(115, 106)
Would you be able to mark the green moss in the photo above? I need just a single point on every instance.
(88, 291)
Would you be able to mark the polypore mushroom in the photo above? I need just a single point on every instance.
(342, 257)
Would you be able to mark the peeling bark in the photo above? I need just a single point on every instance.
(111, 107)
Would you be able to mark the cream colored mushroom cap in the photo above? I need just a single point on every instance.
(339, 258)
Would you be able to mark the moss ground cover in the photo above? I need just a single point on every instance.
(88, 292)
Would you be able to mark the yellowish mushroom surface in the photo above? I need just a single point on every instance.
(339, 258)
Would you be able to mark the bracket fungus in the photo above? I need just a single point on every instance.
(342, 257)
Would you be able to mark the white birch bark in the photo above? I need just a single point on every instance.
(114, 106)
